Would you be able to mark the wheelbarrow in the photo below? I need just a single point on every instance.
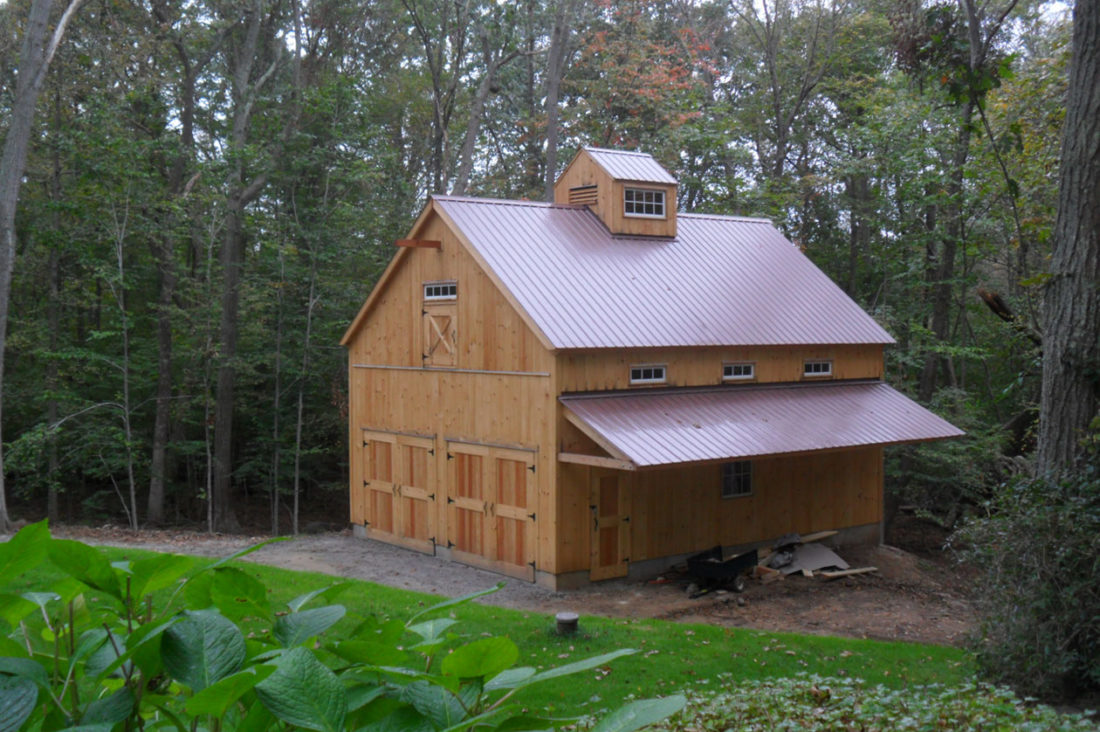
(715, 572)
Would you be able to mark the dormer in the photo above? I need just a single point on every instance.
(630, 191)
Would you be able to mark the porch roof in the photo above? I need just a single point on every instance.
(669, 427)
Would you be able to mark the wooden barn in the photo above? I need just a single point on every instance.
(597, 387)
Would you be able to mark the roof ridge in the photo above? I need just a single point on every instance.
(725, 217)
(496, 201)
(618, 152)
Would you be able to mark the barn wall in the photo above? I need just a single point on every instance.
(491, 335)
(602, 370)
(680, 510)
(498, 391)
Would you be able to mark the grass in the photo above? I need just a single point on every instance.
(672, 656)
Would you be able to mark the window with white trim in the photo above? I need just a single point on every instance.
(738, 371)
(647, 374)
(737, 479)
(817, 368)
(644, 202)
(441, 290)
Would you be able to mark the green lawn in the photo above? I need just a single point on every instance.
(671, 656)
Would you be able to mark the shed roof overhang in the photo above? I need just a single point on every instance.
(655, 429)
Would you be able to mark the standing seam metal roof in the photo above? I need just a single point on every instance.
(630, 166)
(723, 281)
(732, 423)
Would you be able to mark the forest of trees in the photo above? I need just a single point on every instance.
(212, 188)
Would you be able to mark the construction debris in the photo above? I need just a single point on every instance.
(813, 557)
(847, 572)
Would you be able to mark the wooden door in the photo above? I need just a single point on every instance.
(440, 334)
(399, 489)
(491, 520)
(609, 503)
(415, 491)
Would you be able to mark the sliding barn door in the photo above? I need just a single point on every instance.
(400, 489)
(491, 519)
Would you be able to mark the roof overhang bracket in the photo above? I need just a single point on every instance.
(419, 243)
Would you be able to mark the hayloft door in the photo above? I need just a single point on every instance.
(490, 508)
(609, 504)
(399, 489)
(440, 334)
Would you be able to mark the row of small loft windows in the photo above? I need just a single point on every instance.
(657, 373)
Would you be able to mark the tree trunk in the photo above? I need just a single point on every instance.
(34, 61)
(158, 455)
(555, 72)
(1071, 307)
(232, 261)
(943, 264)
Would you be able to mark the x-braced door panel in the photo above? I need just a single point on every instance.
(440, 335)
(400, 485)
(490, 508)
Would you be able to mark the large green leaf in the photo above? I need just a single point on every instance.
(109, 710)
(238, 594)
(326, 593)
(24, 551)
(517, 678)
(431, 632)
(86, 564)
(17, 699)
(217, 698)
(294, 629)
(112, 649)
(305, 693)
(25, 668)
(202, 649)
(370, 652)
(641, 713)
(157, 572)
(482, 659)
(438, 704)
(14, 608)
(243, 552)
(455, 601)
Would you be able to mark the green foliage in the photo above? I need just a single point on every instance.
(1038, 549)
(815, 703)
(120, 660)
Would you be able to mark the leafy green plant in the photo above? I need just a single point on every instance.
(1038, 549)
(94, 651)
(810, 702)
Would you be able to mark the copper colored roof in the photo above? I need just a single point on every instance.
(631, 166)
(655, 428)
(723, 281)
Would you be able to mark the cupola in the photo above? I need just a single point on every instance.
(630, 191)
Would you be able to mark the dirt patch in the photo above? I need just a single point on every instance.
(910, 598)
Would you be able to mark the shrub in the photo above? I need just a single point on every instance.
(94, 651)
(1038, 551)
(809, 703)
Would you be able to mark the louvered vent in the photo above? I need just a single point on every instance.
(583, 195)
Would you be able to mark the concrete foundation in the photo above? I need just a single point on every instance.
(865, 535)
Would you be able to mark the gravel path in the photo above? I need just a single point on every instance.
(909, 598)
